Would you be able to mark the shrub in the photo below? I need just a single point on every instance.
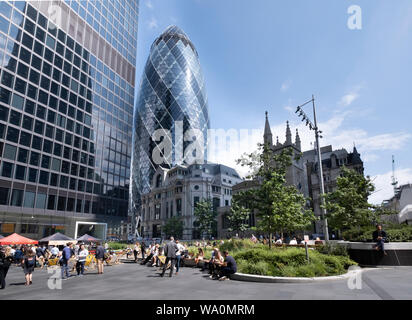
(117, 245)
(333, 249)
(290, 262)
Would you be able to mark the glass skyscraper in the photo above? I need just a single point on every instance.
(172, 93)
(66, 112)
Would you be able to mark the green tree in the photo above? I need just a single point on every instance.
(205, 217)
(348, 205)
(173, 227)
(280, 207)
(238, 218)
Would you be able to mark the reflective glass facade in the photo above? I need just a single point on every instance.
(66, 109)
(172, 89)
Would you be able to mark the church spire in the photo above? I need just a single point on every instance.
(288, 134)
(298, 143)
(267, 136)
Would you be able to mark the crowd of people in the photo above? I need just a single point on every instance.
(31, 256)
(172, 255)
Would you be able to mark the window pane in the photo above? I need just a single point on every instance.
(4, 196)
(23, 155)
(7, 169)
(29, 199)
(20, 173)
(9, 152)
(12, 134)
(32, 175)
(17, 198)
(41, 201)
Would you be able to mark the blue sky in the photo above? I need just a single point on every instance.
(273, 55)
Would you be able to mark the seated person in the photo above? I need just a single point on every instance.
(318, 241)
(229, 266)
(379, 236)
(293, 242)
(200, 256)
(216, 264)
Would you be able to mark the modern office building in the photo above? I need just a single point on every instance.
(171, 97)
(176, 191)
(66, 108)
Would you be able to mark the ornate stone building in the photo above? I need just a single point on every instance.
(175, 192)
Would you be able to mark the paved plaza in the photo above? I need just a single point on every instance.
(133, 281)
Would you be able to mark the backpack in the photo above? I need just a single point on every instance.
(30, 261)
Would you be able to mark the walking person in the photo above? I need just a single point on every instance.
(6, 259)
(179, 254)
(82, 255)
(66, 255)
(170, 253)
(28, 264)
(99, 258)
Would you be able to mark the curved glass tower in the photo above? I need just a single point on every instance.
(171, 97)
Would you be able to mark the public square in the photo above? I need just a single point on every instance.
(130, 281)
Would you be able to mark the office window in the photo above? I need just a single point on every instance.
(17, 198)
(29, 199)
(35, 158)
(9, 152)
(61, 204)
(23, 155)
(41, 201)
(51, 202)
(44, 177)
(20, 173)
(12, 134)
(4, 196)
(7, 169)
(32, 176)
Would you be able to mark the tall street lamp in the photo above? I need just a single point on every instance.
(315, 128)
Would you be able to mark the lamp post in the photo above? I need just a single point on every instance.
(318, 136)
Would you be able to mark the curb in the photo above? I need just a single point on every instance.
(269, 279)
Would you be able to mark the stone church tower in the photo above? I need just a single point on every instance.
(295, 175)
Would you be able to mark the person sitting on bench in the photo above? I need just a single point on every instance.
(379, 236)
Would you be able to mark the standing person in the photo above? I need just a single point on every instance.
(54, 252)
(229, 266)
(18, 255)
(6, 259)
(136, 251)
(379, 236)
(66, 255)
(28, 264)
(143, 249)
(99, 258)
(170, 253)
(82, 255)
(179, 254)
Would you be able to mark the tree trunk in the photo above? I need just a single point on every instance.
(270, 240)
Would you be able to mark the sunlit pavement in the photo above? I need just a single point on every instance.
(133, 281)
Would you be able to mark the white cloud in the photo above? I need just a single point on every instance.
(285, 85)
(350, 97)
(384, 189)
(149, 4)
(347, 100)
(153, 24)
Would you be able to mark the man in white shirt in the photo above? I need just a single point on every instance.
(54, 251)
(293, 242)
